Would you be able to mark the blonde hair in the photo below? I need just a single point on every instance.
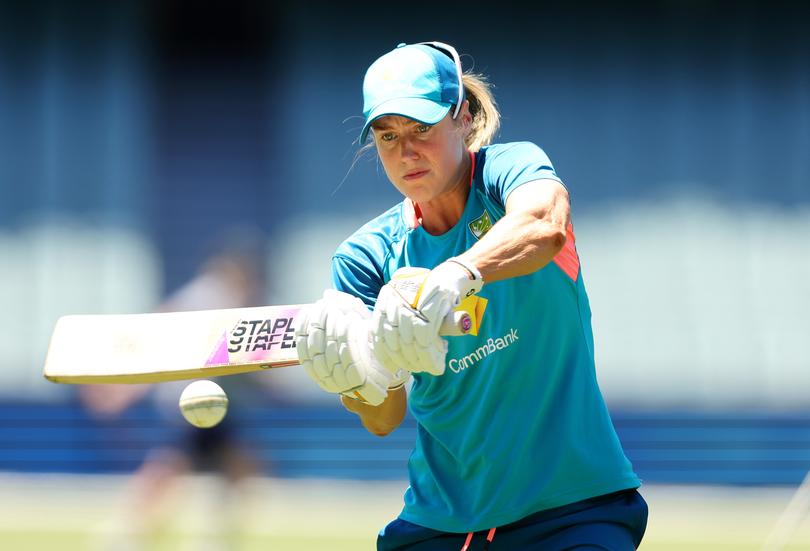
(486, 120)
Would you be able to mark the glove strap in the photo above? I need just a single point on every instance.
(476, 275)
(400, 378)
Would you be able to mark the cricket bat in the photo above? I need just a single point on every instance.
(171, 346)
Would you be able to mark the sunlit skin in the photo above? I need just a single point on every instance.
(429, 164)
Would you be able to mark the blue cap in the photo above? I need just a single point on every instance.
(417, 81)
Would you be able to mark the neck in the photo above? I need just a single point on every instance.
(444, 211)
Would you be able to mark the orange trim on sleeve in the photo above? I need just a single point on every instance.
(568, 259)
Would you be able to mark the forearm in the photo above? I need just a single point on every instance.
(383, 419)
(520, 243)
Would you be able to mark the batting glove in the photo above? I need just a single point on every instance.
(332, 341)
(409, 312)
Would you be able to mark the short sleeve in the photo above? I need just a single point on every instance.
(349, 275)
(508, 166)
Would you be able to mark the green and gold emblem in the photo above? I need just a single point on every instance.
(480, 226)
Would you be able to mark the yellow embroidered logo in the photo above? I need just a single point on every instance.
(480, 226)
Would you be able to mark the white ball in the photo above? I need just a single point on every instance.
(203, 403)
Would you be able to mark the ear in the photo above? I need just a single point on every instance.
(464, 118)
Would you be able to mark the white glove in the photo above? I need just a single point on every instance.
(409, 312)
(332, 341)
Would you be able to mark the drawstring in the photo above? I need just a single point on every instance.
(490, 537)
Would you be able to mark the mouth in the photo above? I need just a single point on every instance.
(415, 174)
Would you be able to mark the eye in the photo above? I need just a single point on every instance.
(423, 128)
(387, 136)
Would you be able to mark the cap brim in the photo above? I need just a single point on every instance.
(418, 109)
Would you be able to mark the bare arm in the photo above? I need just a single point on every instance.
(529, 235)
(383, 419)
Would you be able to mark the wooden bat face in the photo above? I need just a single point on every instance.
(143, 348)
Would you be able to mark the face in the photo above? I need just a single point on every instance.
(422, 161)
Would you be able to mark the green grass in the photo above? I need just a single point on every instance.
(94, 514)
(78, 541)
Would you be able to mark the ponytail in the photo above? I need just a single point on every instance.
(484, 111)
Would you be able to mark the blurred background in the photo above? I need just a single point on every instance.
(147, 148)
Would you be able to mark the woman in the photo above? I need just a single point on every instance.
(515, 448)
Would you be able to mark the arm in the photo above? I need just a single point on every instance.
(528, 236)
(383, 419)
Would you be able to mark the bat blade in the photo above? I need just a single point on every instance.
(172, 346)
(143, 348)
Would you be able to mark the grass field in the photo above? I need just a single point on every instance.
(90, 513)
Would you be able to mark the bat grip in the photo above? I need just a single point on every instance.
(455, 324)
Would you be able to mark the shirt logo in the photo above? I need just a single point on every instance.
(457, 365)
(481, 225)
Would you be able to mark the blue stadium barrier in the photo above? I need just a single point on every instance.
(321, 441)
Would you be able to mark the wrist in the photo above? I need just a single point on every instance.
(473, 273)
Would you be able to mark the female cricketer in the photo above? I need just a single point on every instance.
(515, 448)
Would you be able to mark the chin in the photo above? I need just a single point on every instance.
(419, 197)
(418, 193)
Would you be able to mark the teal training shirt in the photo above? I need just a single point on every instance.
(517, 423)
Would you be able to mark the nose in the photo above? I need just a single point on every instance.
(408, 149)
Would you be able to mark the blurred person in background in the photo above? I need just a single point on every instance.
(232, 277)
(515, 448)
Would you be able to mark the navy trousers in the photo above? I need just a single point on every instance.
(613, 522)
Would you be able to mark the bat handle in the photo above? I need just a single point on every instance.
(455, 324)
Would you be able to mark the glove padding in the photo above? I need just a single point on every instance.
(409, 312)
(332, 341)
